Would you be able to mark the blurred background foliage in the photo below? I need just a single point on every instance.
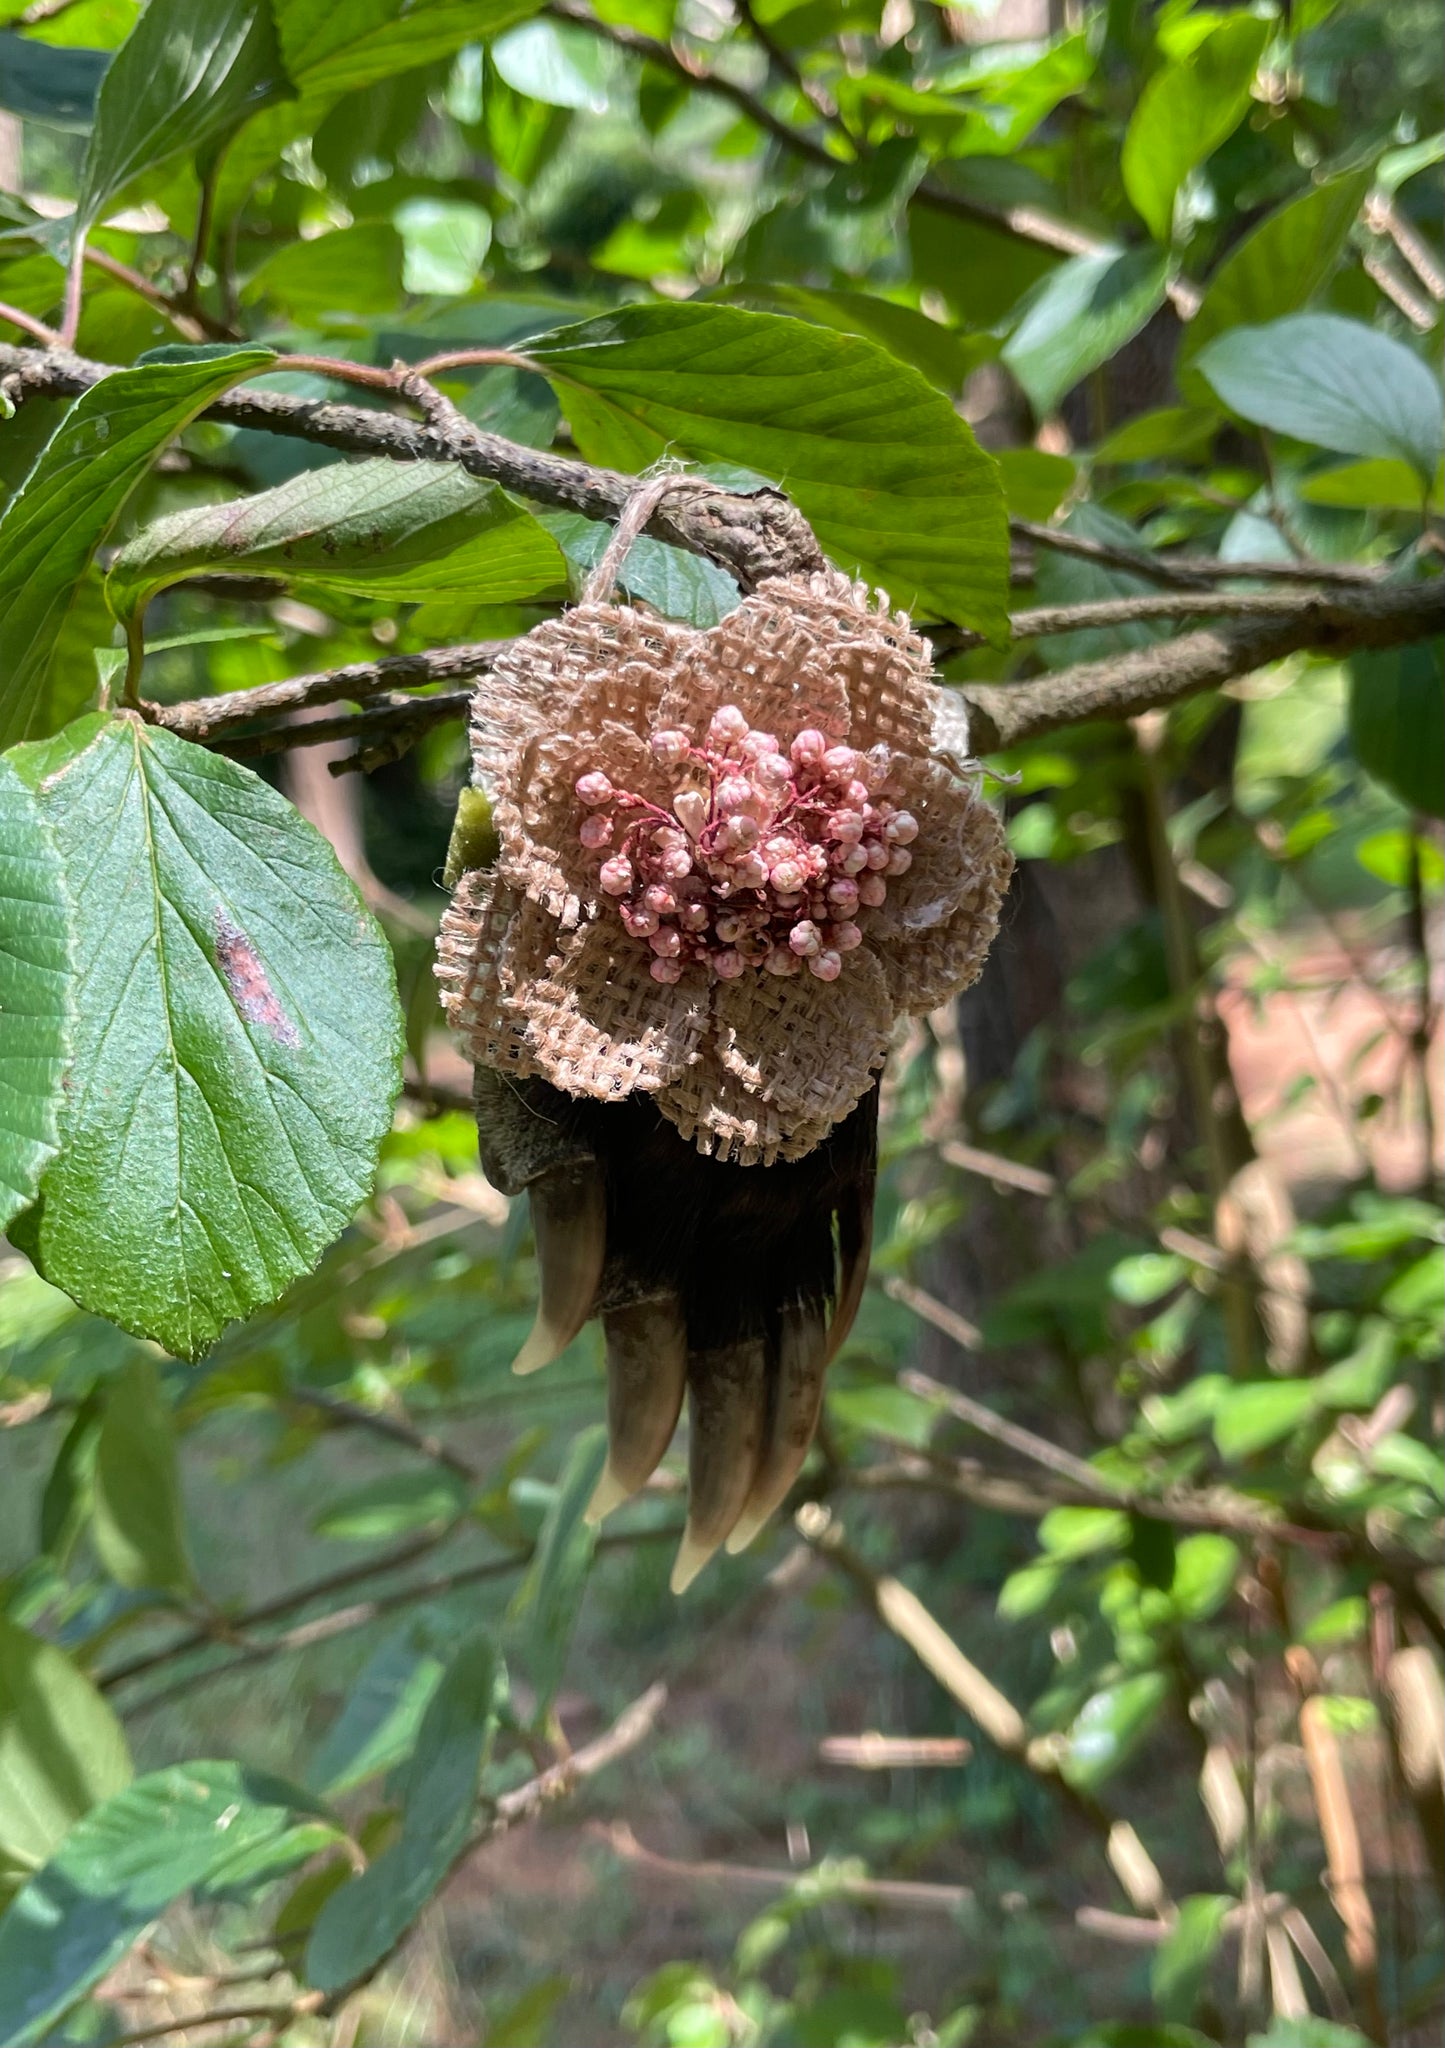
(1119, 1724)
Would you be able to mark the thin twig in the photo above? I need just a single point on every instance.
(395, 1428)
(30, 324)
(207, 719)
(1338, 622)
(1185, 571)
(869, 1891)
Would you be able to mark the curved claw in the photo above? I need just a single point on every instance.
(646, 1376)
(727, 1405)
(797, 1395)
(569, 1224)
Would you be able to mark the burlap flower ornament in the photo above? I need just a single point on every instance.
(729, 860)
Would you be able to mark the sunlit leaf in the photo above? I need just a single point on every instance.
(35, 993)
(1333, 382)
(116, 1871)
(362, 1921)
(415, 531)
(1186, 110)
(137, 1516)
(892, 480)
(237, 1036)
(67, 504)
(62, 1750)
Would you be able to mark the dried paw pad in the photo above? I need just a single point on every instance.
(729, 860)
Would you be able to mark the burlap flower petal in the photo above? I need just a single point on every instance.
(537, 818)
(883, 665)
(596, 1023)
(474, 980)
(596, 662)
(770, 658)
(806, 1048)
(951, 836)
(930, 965)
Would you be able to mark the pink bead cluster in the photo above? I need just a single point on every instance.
(766, 859)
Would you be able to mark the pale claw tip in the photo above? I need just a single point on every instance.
(749, 1527)
(691, 1557)
(610, 1494)
(540, 1349)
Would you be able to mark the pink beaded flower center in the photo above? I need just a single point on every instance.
(765, 860)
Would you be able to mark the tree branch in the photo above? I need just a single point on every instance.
(1391, 615)
(752, 534)
(1186, 571)
(212, 719)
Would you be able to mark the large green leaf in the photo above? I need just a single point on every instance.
(1280, 266)
(403, 530)
(891, 478)
(62, 1749)
(1185, 112)
(378, 1722)
(56, 87)
(184, 79)
(330, 48)
(1397, 721)
(945, 356)
(362, 1922)
(115, 1872)
(237, 1041)
(1080, 315)
(138, 1525)
(65, 507)
(544, 1612)
(35, 993)
(1333, 382)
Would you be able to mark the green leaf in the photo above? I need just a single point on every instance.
(362, 1921)
(62, 1750)
(1308, 2033)
(544, 1612)
(184, 79)
(554, 62)
(333, 279)
(1035, 484)
(56, 87)
(378, 1722)
(35, 994)
(237, 1039)
(1397, 721)
(1065, 579)
(1333, 382)
(1109, 1727)
(137, 1519)
(945, 357)
(117, 1870)
(1080, 315)
(391, 1506)
(1181, 1963)
(1280, 266)
(1079, 1532)
(891, 478)
(1185, 112)
(1251, 1418)
(65, 508)
(402, 530)
(1205, 1568)
(334, 49)
(1380, 485)
(444, 241)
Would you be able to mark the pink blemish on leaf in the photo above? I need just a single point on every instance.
(250, 986)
